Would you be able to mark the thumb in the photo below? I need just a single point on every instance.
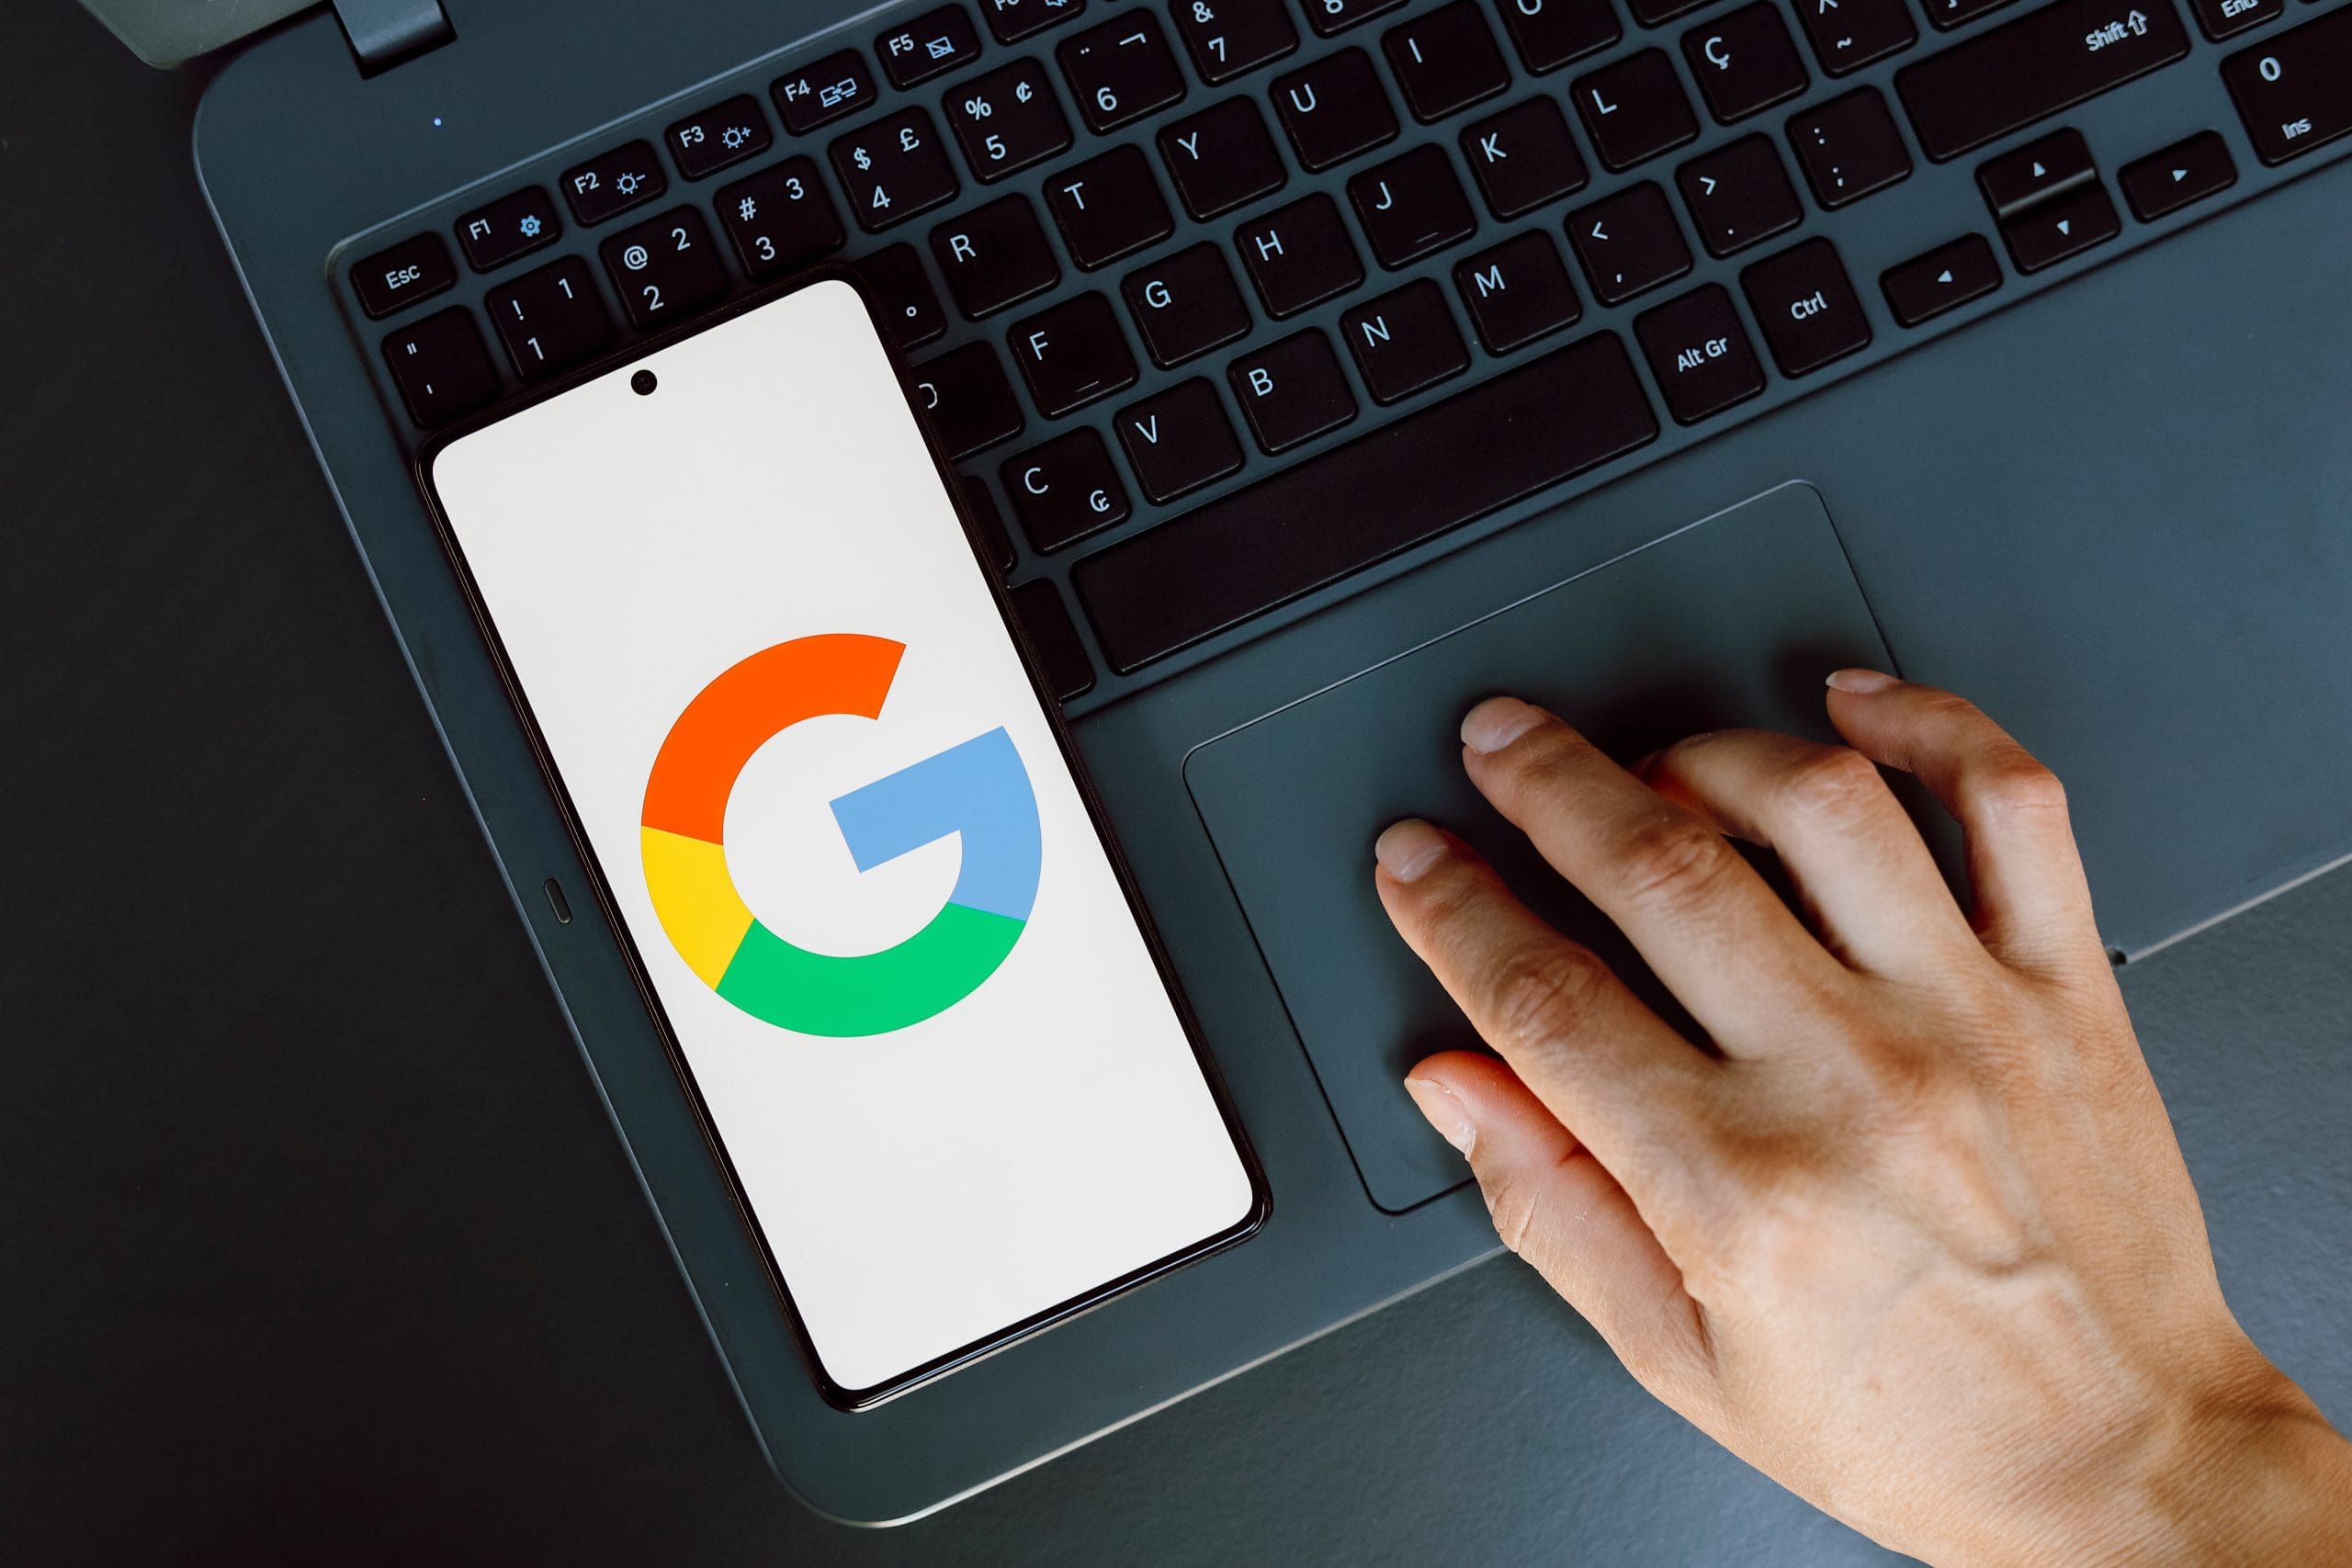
(1555, 1206)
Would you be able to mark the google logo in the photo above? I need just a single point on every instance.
(977, 789)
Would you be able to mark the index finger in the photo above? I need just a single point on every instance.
(1614, 1072)
(1699, 916)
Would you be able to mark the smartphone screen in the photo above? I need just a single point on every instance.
(842, 833)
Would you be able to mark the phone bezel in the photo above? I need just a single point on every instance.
(839, 1395)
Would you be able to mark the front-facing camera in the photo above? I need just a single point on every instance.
(643, 383)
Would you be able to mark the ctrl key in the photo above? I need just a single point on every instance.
(441, 367)
(1700, 353)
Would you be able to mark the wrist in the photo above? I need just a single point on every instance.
(2243, 1469)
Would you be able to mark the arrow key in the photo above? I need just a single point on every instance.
(2050, 231)
(2170, 179)
(1950, 276)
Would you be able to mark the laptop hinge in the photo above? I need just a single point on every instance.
(383, 33)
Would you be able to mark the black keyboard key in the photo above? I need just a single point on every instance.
(2295, 92)
(1291, 391)
(2186, 172)
(1550, 33)
(2226, 18)
(1221, 158)
(722, 134)
(1012, 20)
(1178, 441)
(609, 185)
(1328, 16)
(994, 255)
(1185, 304)
(1524, 158)
(836, 86)
(1629, 244)
(1073, 354)
(1517, 292)
(416, 268)
(1405, 343)
(779, 219)
(1806, 306)
(1226, 37)
(1062, 666)
(1849, 34)
(1849, 148)
(509, 227)
(932, 45)
(893, 169)
(1655, 12)
(1950, 276)
(1445, 60)
(1745, 62)
(2035, 171)
(550, 319)
(968, 403)
(1007, 119)
(1635, 109)
(1949, 14)
(986, 522)
(1984, 87)
(1738, 196)
(1411, 207)
(1334, 109)
(1121, 71)
(902, 295)
(1061, 658)
(1109, 206)
(1700, 353)
(1299, 255)
(664, 267)
(1065, 490)
(1387, 490)
(2050, 231)
(441, 368)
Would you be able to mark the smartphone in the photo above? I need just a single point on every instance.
(842, 836)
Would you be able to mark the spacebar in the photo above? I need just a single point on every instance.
(1245, 553)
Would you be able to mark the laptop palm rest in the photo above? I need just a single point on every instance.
(1732, 621)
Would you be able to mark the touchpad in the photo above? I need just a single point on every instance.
(1729, 622)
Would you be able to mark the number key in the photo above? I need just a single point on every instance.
(779, 217)
(664, 267)
(1226, 37)
(893, 169)
(1007, 119)
(1121, 71)
(550, 319)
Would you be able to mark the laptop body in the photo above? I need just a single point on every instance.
(2109, 496)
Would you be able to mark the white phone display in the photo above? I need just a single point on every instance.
(840, 831)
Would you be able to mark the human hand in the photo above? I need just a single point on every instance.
(1916, 1241)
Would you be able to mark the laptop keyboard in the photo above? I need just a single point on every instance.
(1221, 302)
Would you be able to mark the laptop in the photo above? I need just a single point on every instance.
(1642, 355)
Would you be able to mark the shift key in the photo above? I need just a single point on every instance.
(2005, 80)
(2295, 90)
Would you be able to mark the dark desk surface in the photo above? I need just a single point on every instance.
(317, 1240)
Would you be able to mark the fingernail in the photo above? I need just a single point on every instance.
(1496, 722)
(1447, 1114)
(1861, 682)
(1407, 848)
